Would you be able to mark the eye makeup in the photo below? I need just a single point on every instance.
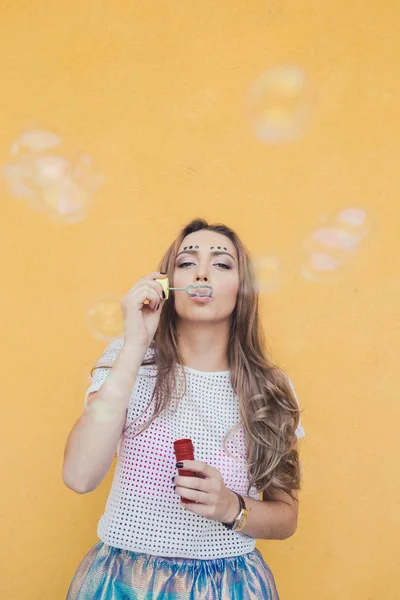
(213, 253)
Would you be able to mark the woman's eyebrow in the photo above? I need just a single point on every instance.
(197, 252)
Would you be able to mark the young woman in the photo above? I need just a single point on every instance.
(188, 368)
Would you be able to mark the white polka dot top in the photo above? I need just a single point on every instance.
(143, 513)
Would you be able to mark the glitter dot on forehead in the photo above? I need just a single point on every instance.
(211, 247)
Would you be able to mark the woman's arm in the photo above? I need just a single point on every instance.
(92, 443)
(274, 519)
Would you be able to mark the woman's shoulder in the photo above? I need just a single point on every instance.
(112, 350)
(110, 353)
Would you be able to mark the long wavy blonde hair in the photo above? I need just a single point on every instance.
(268, 407)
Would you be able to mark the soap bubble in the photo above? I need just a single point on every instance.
(279, 104)
(268, 274)
(66, 199)
(354, 222)
(47, 170)
(334, 237)
(55, 184)
(35, 140)
(323, 262)
(105, 319)
(329, 248)
(352, 216)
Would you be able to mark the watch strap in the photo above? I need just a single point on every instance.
(242, 507)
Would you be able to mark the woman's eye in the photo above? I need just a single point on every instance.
(218, 265)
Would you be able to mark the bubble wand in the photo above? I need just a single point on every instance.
(197, 289)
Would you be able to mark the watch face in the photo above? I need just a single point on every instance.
(242, 520)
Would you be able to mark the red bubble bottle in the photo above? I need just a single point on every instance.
(184, 451)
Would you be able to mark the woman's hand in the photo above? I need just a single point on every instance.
(140, 319)
(215, 500)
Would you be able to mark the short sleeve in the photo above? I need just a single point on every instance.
(300, 430)
(106, 361)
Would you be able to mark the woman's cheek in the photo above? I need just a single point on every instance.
(230, 290)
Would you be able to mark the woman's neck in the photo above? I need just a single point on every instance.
(204, 346)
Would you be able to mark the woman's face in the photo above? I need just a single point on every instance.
(199, 265)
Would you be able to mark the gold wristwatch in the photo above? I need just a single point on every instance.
(241, 519)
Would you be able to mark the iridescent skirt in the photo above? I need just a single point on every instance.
(108, 573)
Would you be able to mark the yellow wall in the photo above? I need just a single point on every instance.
(155, 93)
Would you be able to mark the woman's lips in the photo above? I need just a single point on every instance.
(201, 299)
